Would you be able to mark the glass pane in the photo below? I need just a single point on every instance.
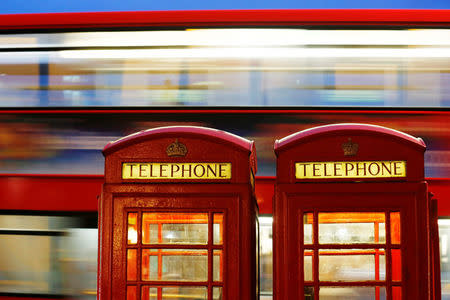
(131, 292)
(218, 229)
(381, 233)
(174, 228)
(379, 290)
(217, 293)
(131, 264)
(349, 265)
(396, 264)
(149, 293)
(218, 265)
(132, 228)
(349, 293)
(349, 227)
(381, 272)
(308, 292)
(396, 293)
(184, 292)
(307, 267)
(175, 264)
(395, 228)
(308, 228)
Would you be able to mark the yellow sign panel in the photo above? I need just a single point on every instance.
(172, 171)
(350, 169)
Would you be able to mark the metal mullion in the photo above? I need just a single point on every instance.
(377, 258)
(301, 253)
(210, 252)
(139, 255)
(175, 246)
(388, 257)
(175, 283)
(316, 254)
(346, 246)
(373, 283)
(224, 253)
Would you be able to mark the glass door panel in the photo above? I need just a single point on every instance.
(175, 255)
(345, 255)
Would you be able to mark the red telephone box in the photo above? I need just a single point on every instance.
(178, 216)
(352, 216)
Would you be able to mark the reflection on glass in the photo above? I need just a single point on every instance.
(381, 291)
(175, 264)
(349, 293)
(381, 265)
(131, 292)
(218, 229)
(396, 264)
(349, 265)
(174, 228)
(381, 233)
(308, 292)
(307, 267)
(184, 292)
(149, 293)
(131, 264)
(132, 228)
(307, 228)
(350, 227)
(396, 293)
(395, 227)
(217, 293)
(218, 265)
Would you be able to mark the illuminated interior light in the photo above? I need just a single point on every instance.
(265, 220)
(231, 37)
(444, 222)
(169, 235)
(132, 236)
(205, 53)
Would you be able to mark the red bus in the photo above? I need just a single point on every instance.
(70, 83)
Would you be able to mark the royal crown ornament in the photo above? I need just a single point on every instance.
(176, 149)
(350, 148)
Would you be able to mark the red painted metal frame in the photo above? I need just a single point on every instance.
(228, 18)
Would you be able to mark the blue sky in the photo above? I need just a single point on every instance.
(40, 6)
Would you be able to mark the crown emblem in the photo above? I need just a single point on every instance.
(350, 148)
(176, 149)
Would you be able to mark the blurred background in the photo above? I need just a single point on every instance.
(65, 95)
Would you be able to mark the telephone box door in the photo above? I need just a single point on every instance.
(173, 252)
(348, 247)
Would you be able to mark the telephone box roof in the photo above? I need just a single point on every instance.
(281, 144)
(140, 136)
